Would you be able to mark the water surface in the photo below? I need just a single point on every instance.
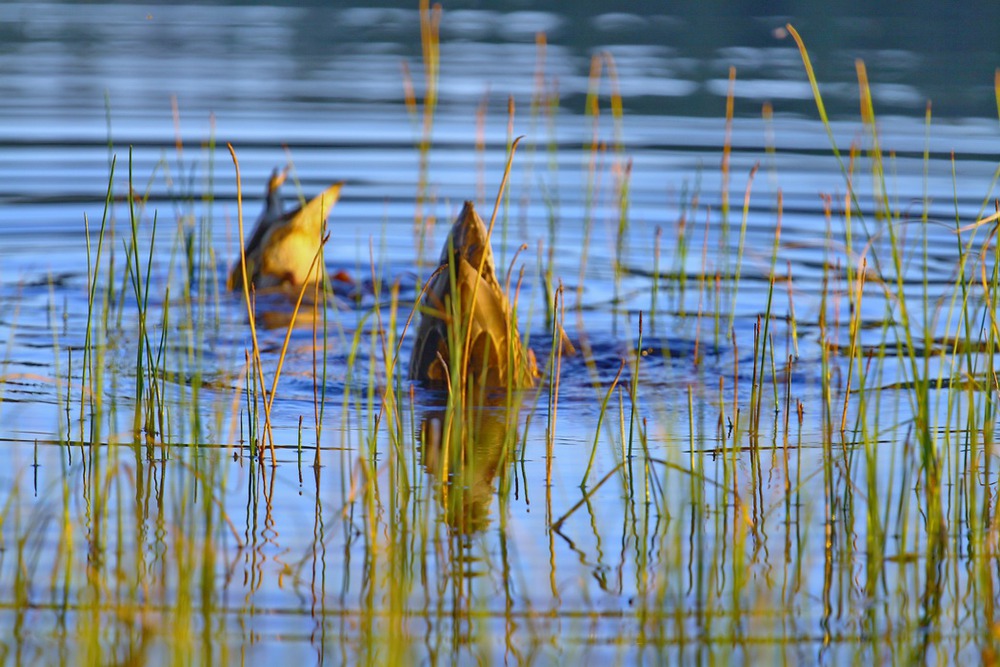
(705, 541)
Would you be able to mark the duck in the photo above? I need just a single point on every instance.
(281, 250)
(497, 356)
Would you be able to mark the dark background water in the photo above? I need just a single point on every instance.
(673, 58)
(80, 81)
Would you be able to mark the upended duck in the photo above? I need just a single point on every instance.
(283, 244)
(496, 355)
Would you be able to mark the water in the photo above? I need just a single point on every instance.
(662, 556)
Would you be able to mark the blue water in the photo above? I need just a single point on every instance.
(161, 90)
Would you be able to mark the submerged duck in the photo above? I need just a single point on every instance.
(283, 244)
(496, 355)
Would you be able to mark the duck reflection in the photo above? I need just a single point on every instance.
(464, 447)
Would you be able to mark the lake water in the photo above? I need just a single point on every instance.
(708, 538)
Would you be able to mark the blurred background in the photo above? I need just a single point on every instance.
(251, 58)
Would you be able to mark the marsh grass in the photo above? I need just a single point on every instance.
(710, 505)
(422, 113)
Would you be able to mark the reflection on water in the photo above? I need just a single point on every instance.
(692, 491)
(465, 449)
